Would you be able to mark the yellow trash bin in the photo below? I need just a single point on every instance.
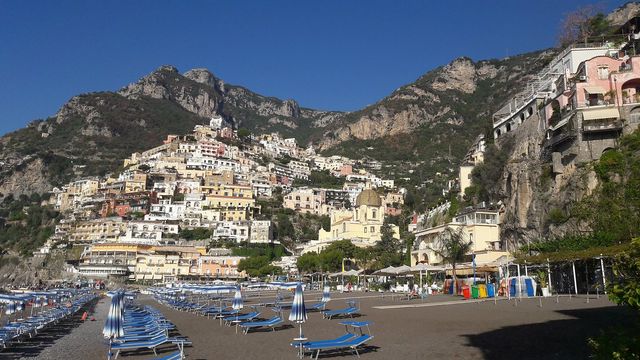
(482, 289)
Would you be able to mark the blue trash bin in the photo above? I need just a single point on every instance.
(491, 291)
(530, 290)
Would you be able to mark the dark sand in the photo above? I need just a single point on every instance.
(457, 330)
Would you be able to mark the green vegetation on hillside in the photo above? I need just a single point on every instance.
(121, 127)
(25, 225)
(321, 179)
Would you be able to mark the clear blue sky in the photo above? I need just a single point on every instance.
(329, 54)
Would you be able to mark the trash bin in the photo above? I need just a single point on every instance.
(491, 291)
(474, 292)
(482, 291)
(465, 292)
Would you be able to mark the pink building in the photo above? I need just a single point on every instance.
(600, 81)
(346, 170)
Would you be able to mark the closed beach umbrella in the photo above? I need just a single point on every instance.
(326, 295)
(237, 304)
(113, 327)
(298, 310)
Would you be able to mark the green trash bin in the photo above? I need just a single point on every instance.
(474, 292)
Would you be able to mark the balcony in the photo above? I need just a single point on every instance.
(602, 126)
(561, 137)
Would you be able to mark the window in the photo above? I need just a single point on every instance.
(373, 229)
(374, 213)
(603, 72)
(365, 229)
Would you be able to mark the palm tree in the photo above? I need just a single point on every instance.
(452, 247)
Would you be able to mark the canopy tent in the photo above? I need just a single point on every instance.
(603, 113)
(594, 90)
(346, 273)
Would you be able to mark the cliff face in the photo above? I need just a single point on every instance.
(461, 94)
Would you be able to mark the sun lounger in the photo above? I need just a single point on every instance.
(271, 323)
(178, 355)
(348, 344)
(151, 344)
(340, 312)
(345, 337)
(239, 318)
(317, 306)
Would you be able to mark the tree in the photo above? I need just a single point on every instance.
(325, 222)
(580, 24)
(309, 262)
(452, 247)
(258, 266)
(387, 242)
(243, 133)
(625, 289)
(622, 342)
(345, 247)
(409, 239)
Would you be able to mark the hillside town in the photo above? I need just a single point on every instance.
(329, 204)
(130, 226)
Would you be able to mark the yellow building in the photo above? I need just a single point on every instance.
(168, 263)
(362, 224)
(98, 230)
(111, 259)
(479, 227)
(232, 202)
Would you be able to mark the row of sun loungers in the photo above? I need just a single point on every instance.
(250, 321)
(16, 331)
(147, 328)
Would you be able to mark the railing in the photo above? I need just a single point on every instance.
(561, 137)
(602, 126)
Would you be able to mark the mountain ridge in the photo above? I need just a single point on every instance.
(92, 132)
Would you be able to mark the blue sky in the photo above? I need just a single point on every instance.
(329, 54)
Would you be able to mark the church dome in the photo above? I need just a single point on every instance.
(368, 197)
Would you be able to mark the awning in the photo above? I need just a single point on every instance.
(606, 113)
(594, 90)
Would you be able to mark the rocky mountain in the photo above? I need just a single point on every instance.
(91, 133)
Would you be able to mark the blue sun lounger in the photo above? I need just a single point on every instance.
(152, 344)
(352, 344)
(173, 356)
(318, 306)
(343, 338)
(340, 312)
(246, 317)
(272, 323)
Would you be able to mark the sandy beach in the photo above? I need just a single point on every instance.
(441, 327)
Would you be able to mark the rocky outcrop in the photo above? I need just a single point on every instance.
(462, 75)
(441, 96)
(624, 13)
(530, 191)
(25, 177)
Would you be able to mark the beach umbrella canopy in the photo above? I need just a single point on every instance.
(326, 295)
(113, 327)
(386, 271)
(404, 269)
(237, 304)
(298, 310)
